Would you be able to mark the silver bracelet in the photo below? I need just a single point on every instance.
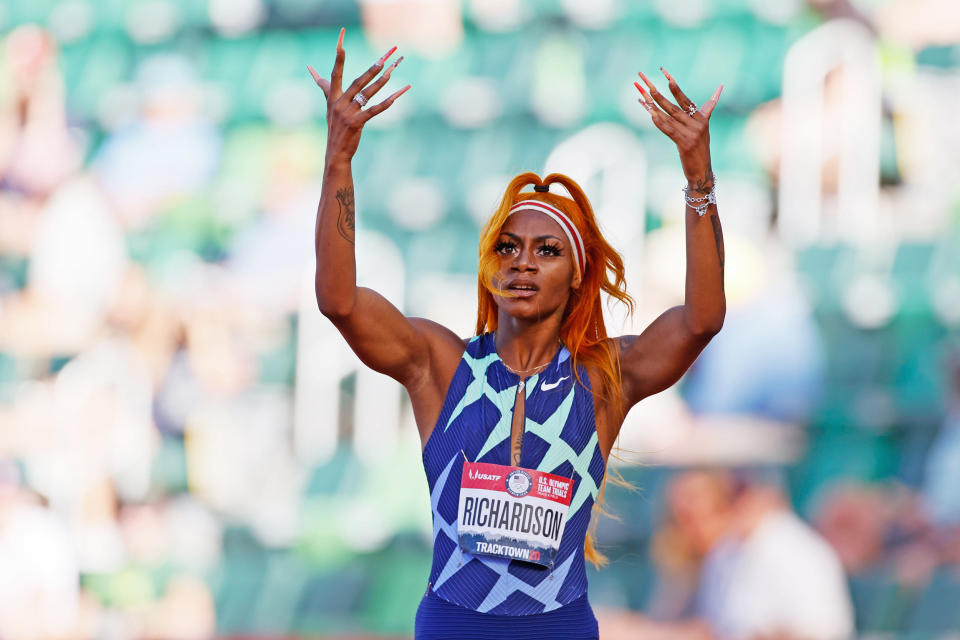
(700, 205)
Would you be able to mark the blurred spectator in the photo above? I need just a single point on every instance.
(762, 571)
(880, 528)
(851, 518)
(36, 150)
(269, 257)
(772, 574)
(169, 150)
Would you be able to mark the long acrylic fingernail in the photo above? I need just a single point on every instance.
(668, 76)
(398, 61)
(340, 39)
(645, 79)
(386, 55)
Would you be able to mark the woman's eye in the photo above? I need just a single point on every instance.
(550, 250)
(505, 247)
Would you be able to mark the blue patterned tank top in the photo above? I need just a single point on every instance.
(559, 437)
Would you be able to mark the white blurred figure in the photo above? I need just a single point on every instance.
(39, 576)
(77, 262)
(736, 563)
(773, 575)
(86, 438)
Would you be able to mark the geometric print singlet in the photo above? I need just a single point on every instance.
(560, 437)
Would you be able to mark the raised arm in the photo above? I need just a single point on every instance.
(382, 337)
(658, 357)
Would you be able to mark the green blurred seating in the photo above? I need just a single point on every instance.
(328, 601)
(94, 66)
(390, 598)
(35, 11)
(238, 580)
(880, 604)
(935, 611)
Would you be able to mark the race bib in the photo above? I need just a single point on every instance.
(512, 512)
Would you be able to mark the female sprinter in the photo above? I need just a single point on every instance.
(517, 422)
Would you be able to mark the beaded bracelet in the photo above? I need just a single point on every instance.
(700, 204)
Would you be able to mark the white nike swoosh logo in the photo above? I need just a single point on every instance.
(546, 386)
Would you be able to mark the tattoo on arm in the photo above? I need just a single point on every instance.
(704, 184)
(519, 448)
(345, 221)
(625, 342)
(718, 238)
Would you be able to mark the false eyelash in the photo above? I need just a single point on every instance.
(555, 250)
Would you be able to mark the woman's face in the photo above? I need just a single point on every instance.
(536, 264)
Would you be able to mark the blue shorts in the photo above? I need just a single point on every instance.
(438, 619)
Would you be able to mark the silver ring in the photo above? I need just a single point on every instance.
(360, 99)
(692, 109)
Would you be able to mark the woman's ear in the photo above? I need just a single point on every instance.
(576, 281)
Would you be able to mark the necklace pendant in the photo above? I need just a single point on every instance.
(520, 386)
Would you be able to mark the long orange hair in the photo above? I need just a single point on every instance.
(582, 328)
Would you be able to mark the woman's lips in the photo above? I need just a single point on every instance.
(523, 291)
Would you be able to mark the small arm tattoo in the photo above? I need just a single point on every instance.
(625, 342)
(718, 238)
(705, 184)
(345, 221)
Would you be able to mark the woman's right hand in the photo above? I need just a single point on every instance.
(345, 117)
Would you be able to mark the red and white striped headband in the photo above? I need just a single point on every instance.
(573, 236)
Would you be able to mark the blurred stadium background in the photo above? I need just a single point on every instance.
(188, 450)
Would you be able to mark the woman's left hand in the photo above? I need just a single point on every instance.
(686, 125)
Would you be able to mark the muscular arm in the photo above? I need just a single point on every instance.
(381, 336)
(658, 357)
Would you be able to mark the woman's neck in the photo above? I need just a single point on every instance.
(523, 346)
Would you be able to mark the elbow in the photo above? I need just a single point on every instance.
(708, 328)
(333, 308)
(333, 301)
(334, 313)
(711, 330)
